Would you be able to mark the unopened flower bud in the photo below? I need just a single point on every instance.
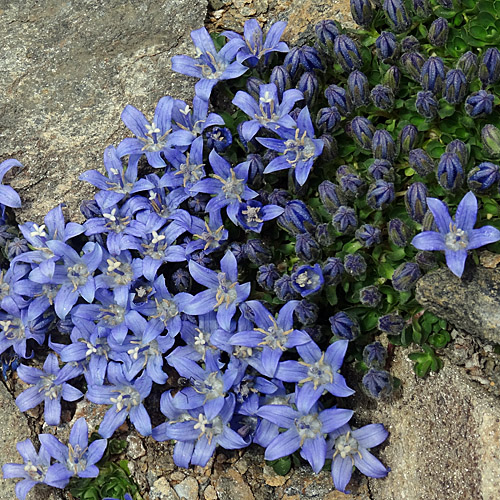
(323, 236)
(422, 9)
(297, 217)
(397, 15)
(387, 46)
(432, 75)
(410, 44)
(344, 220)
(426, 260)
(460, 149)
(377, 383)
(362, 132)
(392, 78)
(482, 177)
(306, 312)
(421, 162)
(370, 296)
(362, 12)
(331, 196)
(383, 145)
(308, 85)
(307, 248)
(381, 169)
(344, 326)
(253, 87)
(490, 137)
(374, 355)
(330, 147)
(416, 201)
(382, 97)
(438, 32)
(412, 64)
(326, 32)
(305, 58)
(257, 252)
(337, 96)
(282, 79)
(333, 269)
(479, 104)
(392, 324)
(469, 64)
(427, 105)
(380, 195)
(455, 86)
(352, 185)
(450, 173)
(407, 139)
(489, 68)
(279, 197)
(405, 276)
(283, 288)
(328, 119)
(267, 276)
(347, 53)
(355, 264)
(399, 232)
(368, 235)
(358, 88)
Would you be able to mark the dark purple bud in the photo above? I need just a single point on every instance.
(392, 78)
(322, 235)
(489, 69)
(181, 280)
(490, 137)
(412, 64)
(282, 79)
(326, 32)
(455, 86)
(399, 232)
(303, 58)
(347, 53)
(257, 252)
(283, 288)
(344, 220)
(358, 89)
(253, 87)
(297, 217)
(397, 15)
(343, 326)
(407, 139)
(238, 250)
(432, 75)
(392, 324)
(330, 148)
(438, 32)
(307, 248)
(387, 46)
(255, 170)
(16, 247)
(352, 185)
(469, 64)
(343, 170)
(201, 258)
(422, 9)
(331, 196)
(479, 104)
(198, 202)
(482, 177)
(421, 162)
(380, 195)
(218, 138)
(410, 44)
(5, 236)
(362, 12)
(328, 119)
(308, 85)
(368, 235)
(383, 146)
(450, 173)
(416, 201)
(306, 312)
(355, 265)
(382, 97)
(362, 132)
(447, 4)
(374, 355)
(460, 149)
(267, 276)
(405, 276)
(377, 383)
(337, 96)
(370, 296)
(426, 260)
(279, 197)
(333, 269)
(429, 224)
(427, 105)
(381, 169)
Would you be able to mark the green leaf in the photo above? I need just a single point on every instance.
(386, 270)
(331, 294)
(440, 340)
(281, 466)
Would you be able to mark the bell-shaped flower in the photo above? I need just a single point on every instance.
(8, 195)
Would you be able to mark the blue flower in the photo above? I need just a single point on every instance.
(299, 147)
(252, 215)
(268, 112)
(209, 65)
(349, 448)
(36, 469)
(48, 385)
(255, 47)
(306, 428)
(307, 280)
(458, 236)
(78, 458)
(8, 195)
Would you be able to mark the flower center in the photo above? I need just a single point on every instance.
(78, 275)
(212, 387)
(299, 149)
(36, 472)
(166, 310)
(252, 216)
(13, 329)
(120, 272)
(127, 397)
(456, 239)
(51, 391)
(308, 426)
(347, 446)
(232, 188)
(225, 291)
(113, 315)
(275, 336)
(318, 373)
(190, 172)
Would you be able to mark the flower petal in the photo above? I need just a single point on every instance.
(455, 260)
(466, 213)
(429, 240)
(283, 445)
(441, 214)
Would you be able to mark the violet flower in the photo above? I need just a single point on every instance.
(457, 236)
(252, 215)
(78, 458)
(209, 65)
(8, 195)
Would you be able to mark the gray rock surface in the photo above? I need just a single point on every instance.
(444, 437)
(68, 70)
(471, 303)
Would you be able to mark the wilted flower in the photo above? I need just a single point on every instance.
(306, 312)
(283, 288)
(410, 44)
(421, 8)
(455, 237)
(267, 276)
(438, 32)
(392, 324)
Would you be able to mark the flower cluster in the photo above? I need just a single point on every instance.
(218, 262)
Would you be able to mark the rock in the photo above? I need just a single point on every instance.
(69, 69)
(161, 490)
(135, 448)
(231, 485)
(471, 303)
(187, 489)
(444, 437)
